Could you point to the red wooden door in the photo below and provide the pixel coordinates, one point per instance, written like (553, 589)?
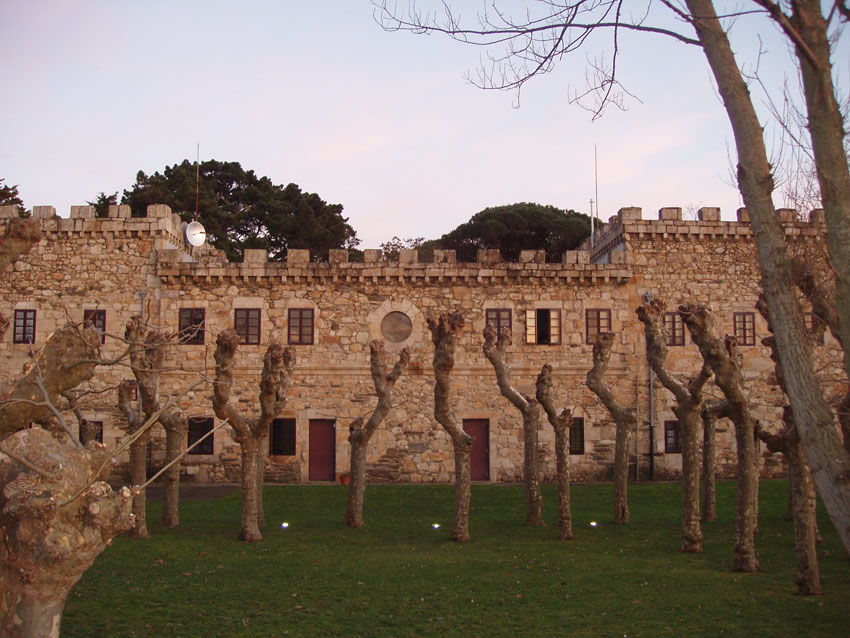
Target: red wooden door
(322, 458)
(479, 455)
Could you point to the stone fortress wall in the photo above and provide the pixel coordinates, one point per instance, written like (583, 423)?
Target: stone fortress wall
(122, 264)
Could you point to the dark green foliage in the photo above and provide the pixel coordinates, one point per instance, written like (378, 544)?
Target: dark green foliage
(240, 210)
(519, 227)
(399, 577)
(102, 204)
(9, 197)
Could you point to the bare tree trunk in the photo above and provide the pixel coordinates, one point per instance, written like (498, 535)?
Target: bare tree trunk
(624, 419)
(171, 494)
(495, 350)
(445, 331)
(802, 504)
(561, 423)
(829, 461)
(710, 414)
(360, 435)
(278, 364)
(20, 234)
(687, 409)
(46, 546)
(261, 479)
(138, 456)
(723, 360)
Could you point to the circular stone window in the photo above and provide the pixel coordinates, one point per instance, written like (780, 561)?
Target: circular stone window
(396, 327)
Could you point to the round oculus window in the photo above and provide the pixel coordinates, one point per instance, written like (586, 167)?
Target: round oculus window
(396, 327)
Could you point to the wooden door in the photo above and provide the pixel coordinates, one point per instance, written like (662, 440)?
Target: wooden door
(322, 457)
(479, 455)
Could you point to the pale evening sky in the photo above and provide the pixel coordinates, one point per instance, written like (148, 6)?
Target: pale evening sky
(317, 94)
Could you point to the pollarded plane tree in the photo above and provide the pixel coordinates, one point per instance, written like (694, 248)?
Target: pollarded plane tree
(561, 424)
(445, 331)
(56, 517)
(723, 358)
(278, 364)
(361, 433)
(147, 349)
(547, 32)
(689, 398)
(624, 420)
(495, 349)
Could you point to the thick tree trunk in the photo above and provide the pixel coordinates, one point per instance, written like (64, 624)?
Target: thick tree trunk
(278, 364)
(445, 331)
(687, 410)
(624, 419)
(829, 461)
(561, 423)
(723, 359)
(47, 543)
(138, 476)
(260, 477)
(495, 348)
(171, 493)
(357, 472)
(250, 530)
(360, 434)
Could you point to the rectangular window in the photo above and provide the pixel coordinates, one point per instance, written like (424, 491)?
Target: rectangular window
(577, 436)
(675, 329)
(597, 321)
(198, 427)
(672, 440)
(91, 431)
(301, 326)
(24, 328)
(744, 328)
(191, 325)
(246, 322)
(97, 320)
(543, 326)
(282, 438)
(500, 318)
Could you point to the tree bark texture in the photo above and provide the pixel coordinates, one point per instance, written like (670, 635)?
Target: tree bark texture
(561, 423)
(687, 409)
(829, 461)
(445, 331)
(147, 354)
(360, 434)
(624, 419)
(47, 547)
(710, 414)
(495, 347)
(278, 364)
(68, 358)
(723, 359)
(809, 31)
(138, 456)
(802, 503)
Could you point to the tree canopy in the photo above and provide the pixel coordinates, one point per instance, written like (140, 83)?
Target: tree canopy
(517, 227)
(240, 210)
(9, 197)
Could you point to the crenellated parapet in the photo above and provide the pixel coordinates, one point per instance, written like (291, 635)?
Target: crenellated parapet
(628, 224)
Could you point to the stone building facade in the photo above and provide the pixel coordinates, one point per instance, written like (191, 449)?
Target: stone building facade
(106, 270)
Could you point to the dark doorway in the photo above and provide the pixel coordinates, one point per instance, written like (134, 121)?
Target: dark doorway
(322, 459)
(479, 455)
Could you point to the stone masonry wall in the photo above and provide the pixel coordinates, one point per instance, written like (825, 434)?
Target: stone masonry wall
(85, 263)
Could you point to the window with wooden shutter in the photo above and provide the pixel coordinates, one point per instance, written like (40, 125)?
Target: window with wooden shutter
(543, 326)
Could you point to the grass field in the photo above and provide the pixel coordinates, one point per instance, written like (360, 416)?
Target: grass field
(398, 576)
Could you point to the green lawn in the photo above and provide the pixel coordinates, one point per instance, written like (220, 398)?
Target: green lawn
(400, 577)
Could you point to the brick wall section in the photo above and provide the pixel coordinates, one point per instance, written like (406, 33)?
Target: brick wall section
(92, 263)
